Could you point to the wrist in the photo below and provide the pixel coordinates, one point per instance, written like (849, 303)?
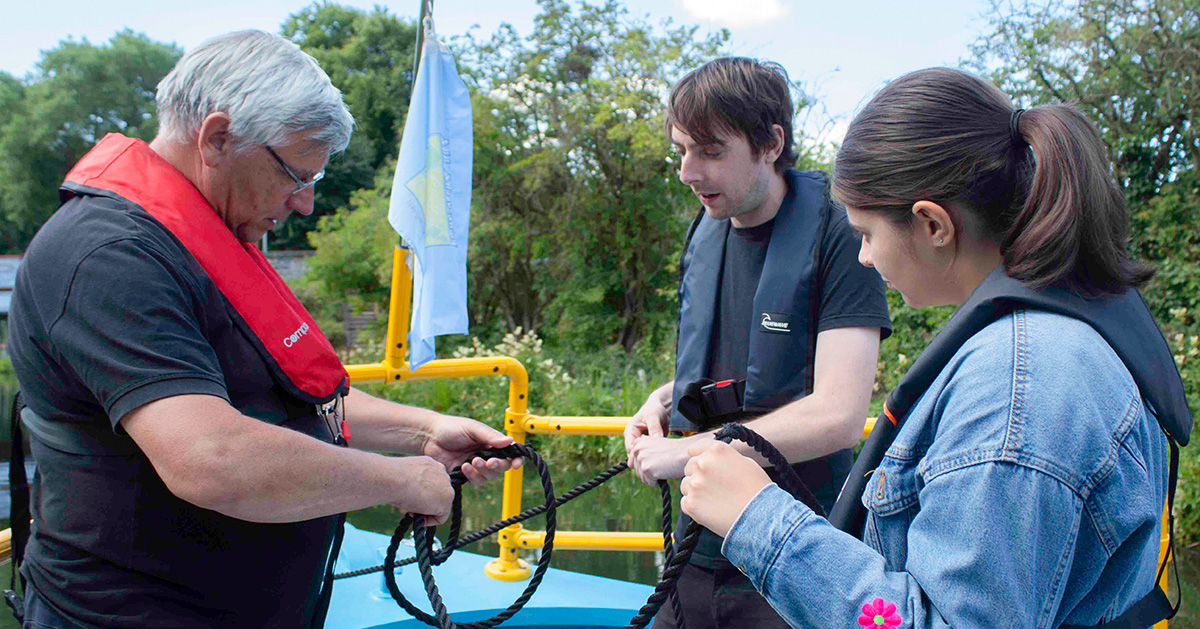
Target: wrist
(418, 427)
(427, 427)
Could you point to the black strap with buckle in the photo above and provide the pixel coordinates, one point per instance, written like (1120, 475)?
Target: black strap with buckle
(707, 403)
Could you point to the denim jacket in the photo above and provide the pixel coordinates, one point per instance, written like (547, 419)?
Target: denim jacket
(1025, 489)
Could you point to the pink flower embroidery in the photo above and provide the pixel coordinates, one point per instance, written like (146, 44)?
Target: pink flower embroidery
(879, 613)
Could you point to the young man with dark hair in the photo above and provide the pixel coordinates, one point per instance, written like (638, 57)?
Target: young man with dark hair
(772, 303)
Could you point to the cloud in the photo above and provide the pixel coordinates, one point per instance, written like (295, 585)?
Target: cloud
(736, 13)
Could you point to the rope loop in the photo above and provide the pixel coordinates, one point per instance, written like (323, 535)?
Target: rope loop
(423, 538)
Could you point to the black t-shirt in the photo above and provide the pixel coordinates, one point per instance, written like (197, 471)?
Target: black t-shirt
(111, 312)
(745, 253)
(851, 296)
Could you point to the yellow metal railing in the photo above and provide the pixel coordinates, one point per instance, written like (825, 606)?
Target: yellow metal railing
(518, 423)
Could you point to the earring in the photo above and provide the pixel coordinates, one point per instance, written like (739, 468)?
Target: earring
(941, 241)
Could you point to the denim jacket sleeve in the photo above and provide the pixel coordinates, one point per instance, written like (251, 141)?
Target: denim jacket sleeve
(1007, 519)
(817, 576)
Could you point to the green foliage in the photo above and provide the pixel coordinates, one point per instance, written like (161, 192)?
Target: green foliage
(8, 377)
(1131, 65)
(1182, 330)
(78, 94)
(354, 247)
(1164, 233)
(577, 216)
(913, 329)
(369, 57)
(8, 391)
(575, 207)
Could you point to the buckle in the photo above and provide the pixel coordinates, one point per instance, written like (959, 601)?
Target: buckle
(722, 398)
(334, 414)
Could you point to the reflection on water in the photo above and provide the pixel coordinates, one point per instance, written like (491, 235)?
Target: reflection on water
(625, 504)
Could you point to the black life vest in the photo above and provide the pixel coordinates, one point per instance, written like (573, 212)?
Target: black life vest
(779, 367)
(1126, 325)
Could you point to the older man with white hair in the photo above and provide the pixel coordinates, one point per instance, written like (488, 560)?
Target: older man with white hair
(188, 417)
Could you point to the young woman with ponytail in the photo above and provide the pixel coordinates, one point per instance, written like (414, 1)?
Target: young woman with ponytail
(1025, 483)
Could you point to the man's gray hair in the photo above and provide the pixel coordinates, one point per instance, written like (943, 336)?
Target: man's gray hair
(269, 88)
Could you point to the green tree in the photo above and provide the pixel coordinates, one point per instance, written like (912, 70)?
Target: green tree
(354, 246)
(12, 235)
(578, 213)
(578, 217)
(369, 57)
(1132, 65)
(78, 94)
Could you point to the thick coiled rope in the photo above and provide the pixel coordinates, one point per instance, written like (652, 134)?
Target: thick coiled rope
(423, 540)
(484, 533)
(677, 555)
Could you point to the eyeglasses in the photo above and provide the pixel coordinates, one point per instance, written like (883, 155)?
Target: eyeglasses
(301, 185)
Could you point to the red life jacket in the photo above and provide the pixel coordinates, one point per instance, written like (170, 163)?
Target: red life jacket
(301, 359)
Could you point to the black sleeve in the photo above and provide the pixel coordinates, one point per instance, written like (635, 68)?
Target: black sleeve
(130, 331)
(852, 295)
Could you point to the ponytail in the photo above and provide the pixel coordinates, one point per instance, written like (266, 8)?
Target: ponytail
(1073, 226)
(1035, 182)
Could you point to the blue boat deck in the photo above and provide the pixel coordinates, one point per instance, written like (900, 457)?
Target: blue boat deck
(565, 599)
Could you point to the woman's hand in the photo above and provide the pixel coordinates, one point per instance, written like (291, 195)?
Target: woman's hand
(718, 483)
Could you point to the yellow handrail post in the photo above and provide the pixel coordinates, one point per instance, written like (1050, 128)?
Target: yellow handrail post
(1164, 546)
(394, 366)
(508, 566)
(399, 304)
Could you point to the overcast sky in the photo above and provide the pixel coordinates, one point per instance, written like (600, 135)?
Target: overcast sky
(844, 51)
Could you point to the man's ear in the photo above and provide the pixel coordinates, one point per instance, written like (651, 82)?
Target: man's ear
(933, 225)
(215, 143)
(773, 151)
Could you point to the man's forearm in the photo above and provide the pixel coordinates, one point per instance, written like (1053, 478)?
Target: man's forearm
(808, 428)
(380, 425)
(832, 417)
(290, 477)
(212, 456)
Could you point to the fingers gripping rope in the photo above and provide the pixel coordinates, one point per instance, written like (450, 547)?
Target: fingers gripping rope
(790, 481)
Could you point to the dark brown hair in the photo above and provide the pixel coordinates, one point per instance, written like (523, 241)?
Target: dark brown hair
(1040, 189)
(735, 95)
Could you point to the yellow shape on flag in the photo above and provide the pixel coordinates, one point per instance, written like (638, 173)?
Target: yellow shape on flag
(430, 189)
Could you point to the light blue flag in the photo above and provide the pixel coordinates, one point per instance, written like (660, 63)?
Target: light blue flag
(431, 199)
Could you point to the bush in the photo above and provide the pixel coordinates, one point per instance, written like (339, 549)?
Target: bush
(8, 377)
(913, 328)
(1183, 334)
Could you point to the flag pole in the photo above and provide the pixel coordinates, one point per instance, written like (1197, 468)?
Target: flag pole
(400, 300)
(426, 12)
